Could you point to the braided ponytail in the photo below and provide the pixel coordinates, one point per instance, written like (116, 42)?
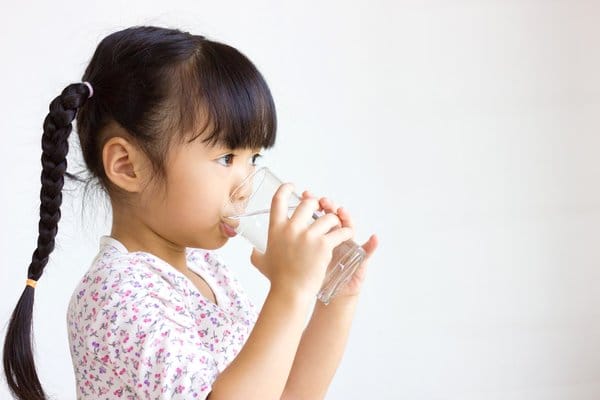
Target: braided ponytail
(19, 366)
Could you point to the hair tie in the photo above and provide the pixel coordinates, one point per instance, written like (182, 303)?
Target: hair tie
(89, 85)
(31, 282)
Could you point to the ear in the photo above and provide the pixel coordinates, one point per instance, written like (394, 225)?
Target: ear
(123, 163)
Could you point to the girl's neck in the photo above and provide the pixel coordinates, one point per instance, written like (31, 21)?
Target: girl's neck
(137, 236)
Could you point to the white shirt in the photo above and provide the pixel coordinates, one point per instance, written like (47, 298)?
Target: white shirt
(139, 328)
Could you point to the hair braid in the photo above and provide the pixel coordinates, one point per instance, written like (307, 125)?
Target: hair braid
(19, 366)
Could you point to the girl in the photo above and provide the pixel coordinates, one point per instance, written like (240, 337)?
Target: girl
(159, 314)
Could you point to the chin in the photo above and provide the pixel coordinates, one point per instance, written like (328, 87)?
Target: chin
(218, 245)
(212, 244)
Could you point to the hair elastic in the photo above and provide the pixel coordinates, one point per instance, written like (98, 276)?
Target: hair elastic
(31, 282)
(89, 85)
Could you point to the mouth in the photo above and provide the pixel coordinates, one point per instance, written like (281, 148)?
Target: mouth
(228, 230)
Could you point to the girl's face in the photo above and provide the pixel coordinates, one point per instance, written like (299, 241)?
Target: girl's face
(200, 180)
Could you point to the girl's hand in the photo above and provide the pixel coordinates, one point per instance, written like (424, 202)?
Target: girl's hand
(353, 286)
(298, 250)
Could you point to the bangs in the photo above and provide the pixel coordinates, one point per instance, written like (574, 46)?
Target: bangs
(225, 99)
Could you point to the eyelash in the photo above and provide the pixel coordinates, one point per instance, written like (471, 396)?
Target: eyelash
(254, 158)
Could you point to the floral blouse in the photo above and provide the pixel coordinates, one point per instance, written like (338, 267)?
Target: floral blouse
(140, 329)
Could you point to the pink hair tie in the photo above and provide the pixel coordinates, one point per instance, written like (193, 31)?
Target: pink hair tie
(89, 85)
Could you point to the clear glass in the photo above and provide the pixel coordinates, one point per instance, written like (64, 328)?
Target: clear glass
(250, 205)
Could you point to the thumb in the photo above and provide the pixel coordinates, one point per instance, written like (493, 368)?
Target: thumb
(256, 258)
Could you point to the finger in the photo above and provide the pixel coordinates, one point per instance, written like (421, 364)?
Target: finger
(339, 236)
(328, 205)
(345, 217)
(279, 204)
(370, 245)
(304, 212)
(307, 194)
(325, 224)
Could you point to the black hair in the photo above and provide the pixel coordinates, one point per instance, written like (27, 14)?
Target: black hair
(158, 87)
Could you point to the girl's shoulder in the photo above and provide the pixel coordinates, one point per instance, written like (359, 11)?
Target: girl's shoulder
(115, 270)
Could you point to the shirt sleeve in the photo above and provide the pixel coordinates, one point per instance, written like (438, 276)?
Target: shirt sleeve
(155, 351)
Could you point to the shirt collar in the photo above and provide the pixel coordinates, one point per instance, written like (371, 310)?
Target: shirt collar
(111, 241)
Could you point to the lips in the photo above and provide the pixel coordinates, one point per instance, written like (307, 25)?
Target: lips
(228, 230)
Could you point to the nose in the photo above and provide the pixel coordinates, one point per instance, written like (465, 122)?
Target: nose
(243, 189)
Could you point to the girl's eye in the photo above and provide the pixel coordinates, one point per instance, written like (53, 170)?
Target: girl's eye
(228, 158)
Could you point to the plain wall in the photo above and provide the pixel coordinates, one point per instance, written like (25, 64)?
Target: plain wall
(464, 133)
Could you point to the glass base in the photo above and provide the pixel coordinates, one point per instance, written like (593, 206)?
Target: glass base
(347, 257)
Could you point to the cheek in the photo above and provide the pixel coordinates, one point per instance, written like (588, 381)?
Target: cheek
(195, 202)
(189, 205)
(195, 221)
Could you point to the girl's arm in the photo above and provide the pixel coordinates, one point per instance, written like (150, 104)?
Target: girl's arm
(320, 350)
(324, 340)
(262, 367)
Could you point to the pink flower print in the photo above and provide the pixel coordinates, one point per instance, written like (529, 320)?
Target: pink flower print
(179, 389)
(118, 392)
(104, 359)
(95, 296)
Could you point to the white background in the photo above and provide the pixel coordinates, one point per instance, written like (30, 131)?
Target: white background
(464, 133)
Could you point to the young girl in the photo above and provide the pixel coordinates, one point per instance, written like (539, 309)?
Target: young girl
(159, 315)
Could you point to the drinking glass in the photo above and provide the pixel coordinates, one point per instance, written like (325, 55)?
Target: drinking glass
(250, 205)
